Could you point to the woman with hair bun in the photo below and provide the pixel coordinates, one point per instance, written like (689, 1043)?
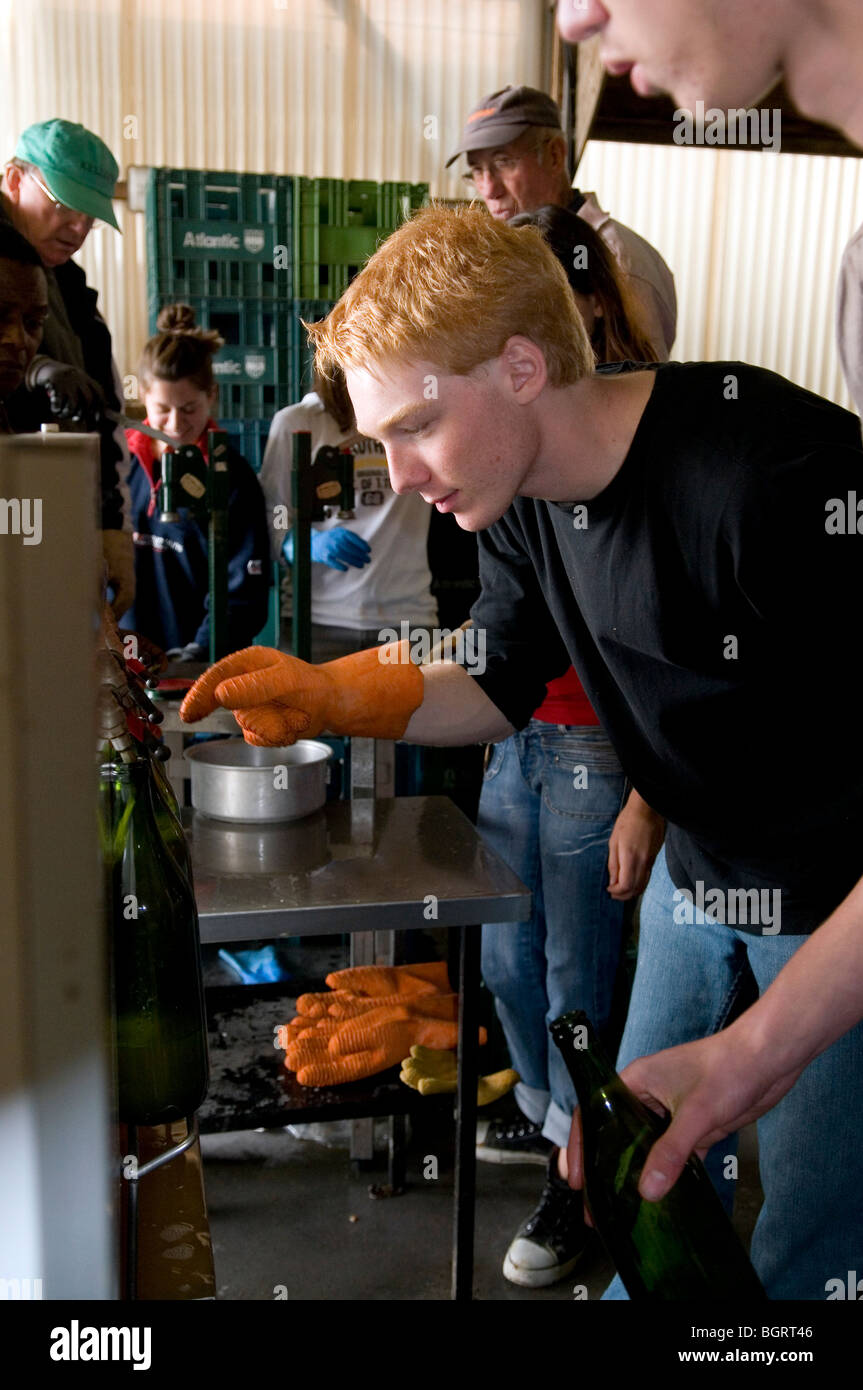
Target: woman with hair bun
(171, 564)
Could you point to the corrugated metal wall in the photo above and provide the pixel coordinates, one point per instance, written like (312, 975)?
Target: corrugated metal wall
(379, 89)
(755, 241)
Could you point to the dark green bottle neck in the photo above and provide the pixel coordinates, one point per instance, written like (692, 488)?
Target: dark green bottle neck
(134, 775)
(597, 1084)
(589, 1065)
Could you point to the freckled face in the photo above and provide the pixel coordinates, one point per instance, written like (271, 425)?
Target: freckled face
(468, 451)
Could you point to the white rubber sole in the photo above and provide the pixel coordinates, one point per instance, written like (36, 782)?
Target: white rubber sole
(537, 1278)
(489, 1155)
(504, 1156)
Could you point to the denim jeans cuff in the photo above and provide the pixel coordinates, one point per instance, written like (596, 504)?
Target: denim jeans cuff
(532, 1103)
(557, 1125)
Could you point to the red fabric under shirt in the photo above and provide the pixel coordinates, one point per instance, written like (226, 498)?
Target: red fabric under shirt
(566, 702)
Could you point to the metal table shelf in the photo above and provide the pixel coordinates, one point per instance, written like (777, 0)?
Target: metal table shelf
(359, 866)
(369, 865)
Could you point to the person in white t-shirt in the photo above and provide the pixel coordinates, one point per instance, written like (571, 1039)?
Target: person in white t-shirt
(370, 572)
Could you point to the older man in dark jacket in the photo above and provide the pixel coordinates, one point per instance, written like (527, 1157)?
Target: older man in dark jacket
(56, 187)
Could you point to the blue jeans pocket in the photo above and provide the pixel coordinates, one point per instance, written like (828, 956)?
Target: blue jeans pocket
(495, 761)
(583, 779)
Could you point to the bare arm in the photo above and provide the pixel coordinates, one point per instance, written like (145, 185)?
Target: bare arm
(715, 1085)
(455, 710)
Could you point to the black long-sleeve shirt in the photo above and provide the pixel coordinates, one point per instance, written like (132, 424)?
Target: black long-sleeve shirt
(76, 333)
(711, 607)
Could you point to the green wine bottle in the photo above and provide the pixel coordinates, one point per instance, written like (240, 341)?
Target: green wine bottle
(161, 1032)
(168, 817)
(681, 1247)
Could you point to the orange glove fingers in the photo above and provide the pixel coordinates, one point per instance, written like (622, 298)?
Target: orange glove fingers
(306, 1050)
(337, 1071)
(349, 1005)
(375, 980)
(283, 678)
(202, 698)
(272, 726)
(317, 1005)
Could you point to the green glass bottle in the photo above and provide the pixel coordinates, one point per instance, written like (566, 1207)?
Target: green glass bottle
(168, 816)
(681, 1247)
(161, 1031)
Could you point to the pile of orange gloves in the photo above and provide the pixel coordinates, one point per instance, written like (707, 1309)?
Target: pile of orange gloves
(368, 1021)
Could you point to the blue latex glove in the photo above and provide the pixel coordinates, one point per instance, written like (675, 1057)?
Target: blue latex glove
(255, 967)
(337, 548)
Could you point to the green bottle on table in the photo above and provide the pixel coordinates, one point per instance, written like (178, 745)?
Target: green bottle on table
(681, 1247)
(161, 1032)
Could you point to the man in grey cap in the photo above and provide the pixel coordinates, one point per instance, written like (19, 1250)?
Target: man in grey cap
(516, 154)
(56, 187)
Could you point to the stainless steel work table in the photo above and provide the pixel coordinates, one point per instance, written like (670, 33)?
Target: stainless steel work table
(399, 863)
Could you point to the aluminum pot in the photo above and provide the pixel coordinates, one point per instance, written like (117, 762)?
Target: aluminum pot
(233, 780)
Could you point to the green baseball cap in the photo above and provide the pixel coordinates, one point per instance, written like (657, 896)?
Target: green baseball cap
(77, 166)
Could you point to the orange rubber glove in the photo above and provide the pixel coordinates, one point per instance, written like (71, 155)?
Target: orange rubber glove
(361, 987)
(427, 977)
(276, 698)
(361, 1047)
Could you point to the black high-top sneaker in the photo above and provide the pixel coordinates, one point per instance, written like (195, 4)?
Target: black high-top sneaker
(550, 1243)
(511, 1141)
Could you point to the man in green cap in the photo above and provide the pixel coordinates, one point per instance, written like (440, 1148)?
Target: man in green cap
(56, 187)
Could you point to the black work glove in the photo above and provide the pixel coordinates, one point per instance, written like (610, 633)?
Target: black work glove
(72, 394)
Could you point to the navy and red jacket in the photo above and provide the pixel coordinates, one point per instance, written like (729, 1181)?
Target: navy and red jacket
(171, 573)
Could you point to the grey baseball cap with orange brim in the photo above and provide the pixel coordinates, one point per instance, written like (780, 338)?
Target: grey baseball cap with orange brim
(504, 116)
(77, 166)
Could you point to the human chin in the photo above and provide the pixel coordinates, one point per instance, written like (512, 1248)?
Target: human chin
(479, 516)
(51, 254)
(10, 380)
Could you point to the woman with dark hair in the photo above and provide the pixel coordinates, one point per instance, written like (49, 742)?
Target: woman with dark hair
(554, 806)
(171, 605)
(609, 315)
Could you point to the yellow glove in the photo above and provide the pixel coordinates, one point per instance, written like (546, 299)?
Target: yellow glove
(433, 1072)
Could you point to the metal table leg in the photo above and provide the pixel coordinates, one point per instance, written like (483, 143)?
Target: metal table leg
(465, 1135)
(397, 1154)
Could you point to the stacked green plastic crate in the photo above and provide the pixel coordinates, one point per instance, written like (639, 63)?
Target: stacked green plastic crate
(253, 254)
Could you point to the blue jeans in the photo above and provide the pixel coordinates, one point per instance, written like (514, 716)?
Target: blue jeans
(549, 800)
(810, 1228)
